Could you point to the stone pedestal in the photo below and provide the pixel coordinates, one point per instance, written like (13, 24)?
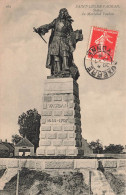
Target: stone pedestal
(60, 132)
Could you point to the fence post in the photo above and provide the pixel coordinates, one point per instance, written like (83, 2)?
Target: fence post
(17, 188)
(89, 182)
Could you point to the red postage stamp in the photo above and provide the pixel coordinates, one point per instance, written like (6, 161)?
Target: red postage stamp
(102, 44)
(99, 59)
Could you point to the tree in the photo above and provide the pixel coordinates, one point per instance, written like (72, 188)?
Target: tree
(29, 123)
(16, 138)
(96, 146)
(114, 149)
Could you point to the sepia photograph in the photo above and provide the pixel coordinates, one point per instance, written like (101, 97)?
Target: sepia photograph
(63, 97)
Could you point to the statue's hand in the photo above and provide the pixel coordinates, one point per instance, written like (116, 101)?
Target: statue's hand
(39, 31)
(35, 30)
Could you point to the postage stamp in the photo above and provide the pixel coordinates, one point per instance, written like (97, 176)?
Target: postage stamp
(99, 59)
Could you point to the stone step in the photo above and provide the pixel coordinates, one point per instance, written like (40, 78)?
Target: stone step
(8, 174)
(99, 184)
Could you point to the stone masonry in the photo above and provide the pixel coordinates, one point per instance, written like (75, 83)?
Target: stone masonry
(60, 132)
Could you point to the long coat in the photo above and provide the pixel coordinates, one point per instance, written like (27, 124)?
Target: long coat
(59, 39)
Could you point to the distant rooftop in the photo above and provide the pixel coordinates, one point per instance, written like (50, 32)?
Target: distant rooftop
(24, 142)
(9, 145)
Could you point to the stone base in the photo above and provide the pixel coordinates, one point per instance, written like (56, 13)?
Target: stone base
(60, 132)
(61, 151)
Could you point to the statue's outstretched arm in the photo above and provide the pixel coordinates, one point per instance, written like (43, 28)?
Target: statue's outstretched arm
(45, 28)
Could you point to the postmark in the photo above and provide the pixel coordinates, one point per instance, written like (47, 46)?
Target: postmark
(99, 60)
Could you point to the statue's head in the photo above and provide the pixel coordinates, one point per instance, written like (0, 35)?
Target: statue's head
(63, 13)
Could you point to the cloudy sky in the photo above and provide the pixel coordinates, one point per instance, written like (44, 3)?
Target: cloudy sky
(22, 66)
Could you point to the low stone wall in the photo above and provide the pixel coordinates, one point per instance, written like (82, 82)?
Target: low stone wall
(41, 164)
(113, 163)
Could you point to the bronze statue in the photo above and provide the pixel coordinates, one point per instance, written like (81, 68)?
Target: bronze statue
(62, 43)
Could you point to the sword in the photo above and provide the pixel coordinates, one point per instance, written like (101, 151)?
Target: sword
(35, 30)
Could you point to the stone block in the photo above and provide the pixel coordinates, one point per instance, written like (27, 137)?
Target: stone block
(31, 164)
(71, 135)
(68, 143)
(57, 128)
(71, 105)
(40, 151)
(46, 113)
(68, 97)
(72, 152)
(45, 143)
(38, 165)
(43, 121)
(69, 128)
(61, 152)
(59, 164)
(86, 163)
(62, 135)
(42, 135)
(13, 163)
(71, 120)
(57, 143)
(59, 86)
(110, 163)
(65, 98)
(51, 152)
(57, 113)
(47, 98)
(44, 105)
(22, 163)
(68, 112)
(51, 135)
(46, 128)
(122, 163)
(57, 98)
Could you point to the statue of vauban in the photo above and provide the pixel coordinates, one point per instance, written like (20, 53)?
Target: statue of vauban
(62, 44)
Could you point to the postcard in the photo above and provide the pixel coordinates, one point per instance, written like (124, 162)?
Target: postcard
(63, 63)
